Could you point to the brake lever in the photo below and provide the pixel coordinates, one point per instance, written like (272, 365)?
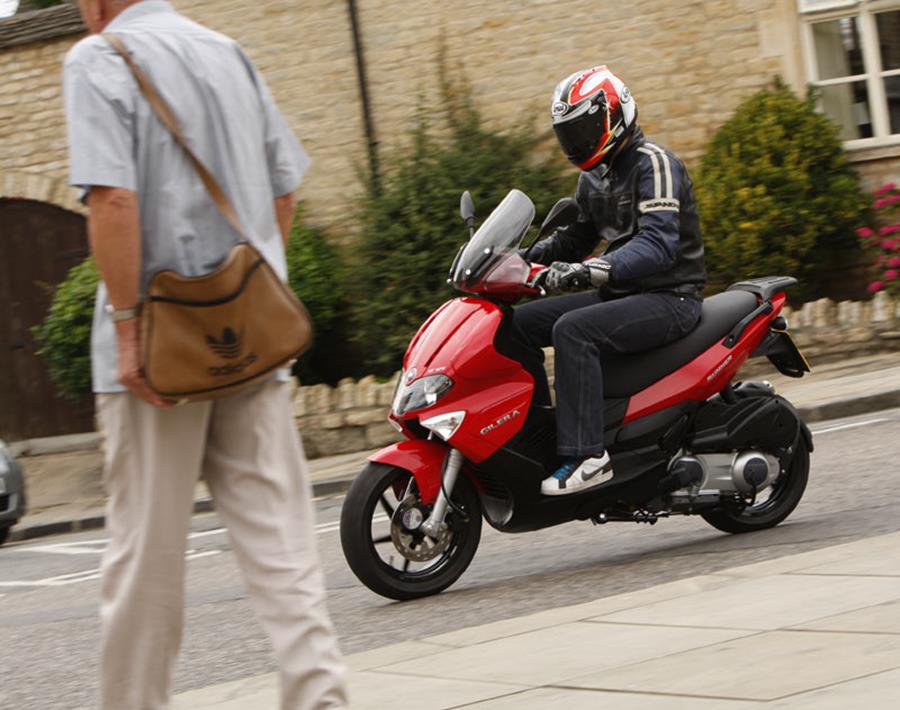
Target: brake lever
(538, 282)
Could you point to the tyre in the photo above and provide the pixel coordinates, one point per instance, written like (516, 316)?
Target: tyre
(779, 502)
(395, 561)
(4, 534)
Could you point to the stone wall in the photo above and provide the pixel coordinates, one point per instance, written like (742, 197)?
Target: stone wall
(688, 63)
(353, 416)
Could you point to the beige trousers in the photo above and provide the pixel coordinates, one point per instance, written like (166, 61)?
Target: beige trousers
(247, 449)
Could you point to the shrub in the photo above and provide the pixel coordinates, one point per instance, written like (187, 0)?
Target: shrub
(883, 242)
(64, 338)
(776, 194)
(317, 275)
(39, 4)
(412, 228)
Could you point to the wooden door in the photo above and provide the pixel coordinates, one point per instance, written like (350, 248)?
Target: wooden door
(39, 243)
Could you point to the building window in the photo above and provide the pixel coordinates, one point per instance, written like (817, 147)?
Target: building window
(853, 57)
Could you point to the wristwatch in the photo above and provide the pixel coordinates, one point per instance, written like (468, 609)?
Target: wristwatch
(120, 314)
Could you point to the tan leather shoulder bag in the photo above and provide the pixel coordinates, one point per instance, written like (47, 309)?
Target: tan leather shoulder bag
(209, 336)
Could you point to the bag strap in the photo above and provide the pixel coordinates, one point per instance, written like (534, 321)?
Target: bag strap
(167, 118)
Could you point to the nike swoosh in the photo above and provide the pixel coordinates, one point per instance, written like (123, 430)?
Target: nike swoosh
(585, 476)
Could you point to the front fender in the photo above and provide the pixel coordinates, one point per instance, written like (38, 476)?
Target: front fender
(423, 459)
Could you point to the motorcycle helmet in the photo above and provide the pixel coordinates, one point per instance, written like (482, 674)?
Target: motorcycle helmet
(593, 115)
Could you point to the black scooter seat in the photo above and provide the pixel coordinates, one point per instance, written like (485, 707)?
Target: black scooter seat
(626, 375)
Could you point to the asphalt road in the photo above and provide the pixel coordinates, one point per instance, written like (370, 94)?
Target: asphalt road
(48, 588)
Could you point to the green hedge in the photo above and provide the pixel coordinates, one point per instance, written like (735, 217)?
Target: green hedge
(317, 274)
(64, 338)
(314, 273)
(777, 195)
(412, 228)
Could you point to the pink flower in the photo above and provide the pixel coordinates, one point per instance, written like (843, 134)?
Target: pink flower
(891, 274)
(880, 203)
(875, 286)
(893, 262)
(888, 244)
(892, 200)
(865, 232)
(885, 189)
(889, 229)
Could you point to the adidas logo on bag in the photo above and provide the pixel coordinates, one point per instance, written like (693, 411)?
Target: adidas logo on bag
(229, 347)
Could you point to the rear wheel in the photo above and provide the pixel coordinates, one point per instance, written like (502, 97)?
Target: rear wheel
(382, 546)
(772, 505)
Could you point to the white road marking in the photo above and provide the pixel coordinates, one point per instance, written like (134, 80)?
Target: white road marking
(95, 547)
(853, 425)
(64, 580)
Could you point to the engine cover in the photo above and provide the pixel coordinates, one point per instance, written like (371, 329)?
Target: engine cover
(743, 472)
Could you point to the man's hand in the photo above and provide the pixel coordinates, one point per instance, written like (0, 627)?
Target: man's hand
(128, 335)
(562, 276)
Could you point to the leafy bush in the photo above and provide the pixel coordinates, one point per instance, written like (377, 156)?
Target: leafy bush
(39, 4)
(64, 338)
(776, 194)
(883, 242)
(316, 275)
(412, 228)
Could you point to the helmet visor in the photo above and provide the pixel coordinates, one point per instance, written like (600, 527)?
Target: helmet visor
(580, 137)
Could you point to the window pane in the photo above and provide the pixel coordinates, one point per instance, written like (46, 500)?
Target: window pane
(889, 39)
(848, 106)
(892, 91)
(838, 48)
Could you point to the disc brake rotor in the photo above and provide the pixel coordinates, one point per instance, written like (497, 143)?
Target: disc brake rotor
(410, 543)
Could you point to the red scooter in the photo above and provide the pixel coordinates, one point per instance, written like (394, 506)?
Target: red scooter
(684, 438)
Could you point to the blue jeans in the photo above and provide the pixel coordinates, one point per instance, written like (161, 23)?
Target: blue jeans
(583, 328)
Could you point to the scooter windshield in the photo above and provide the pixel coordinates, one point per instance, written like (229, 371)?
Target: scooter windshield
(490, 261)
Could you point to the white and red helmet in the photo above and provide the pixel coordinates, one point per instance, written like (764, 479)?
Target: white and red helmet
(593, 116)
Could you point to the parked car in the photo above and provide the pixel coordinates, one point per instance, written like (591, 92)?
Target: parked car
(12, 492)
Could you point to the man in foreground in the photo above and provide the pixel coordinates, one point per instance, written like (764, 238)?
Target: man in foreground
(150, 212)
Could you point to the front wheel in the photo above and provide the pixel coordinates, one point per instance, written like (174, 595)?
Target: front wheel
(773, 505)
(383, 548)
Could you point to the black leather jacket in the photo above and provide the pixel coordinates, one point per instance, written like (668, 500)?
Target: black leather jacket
(644, 209)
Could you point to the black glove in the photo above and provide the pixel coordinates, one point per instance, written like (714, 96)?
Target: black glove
(562, 276)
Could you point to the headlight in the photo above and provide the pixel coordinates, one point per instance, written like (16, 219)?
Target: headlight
(420, 393)
(444, 425)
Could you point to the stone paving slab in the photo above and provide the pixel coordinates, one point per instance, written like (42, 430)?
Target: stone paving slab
(880, 691)
(555, 654)
(765, 603)
(844, 651)
(765, 666)
(584, 699)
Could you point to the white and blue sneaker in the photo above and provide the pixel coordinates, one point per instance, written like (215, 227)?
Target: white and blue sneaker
(578, 475)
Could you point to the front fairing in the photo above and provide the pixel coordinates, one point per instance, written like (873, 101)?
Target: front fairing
(458, 342)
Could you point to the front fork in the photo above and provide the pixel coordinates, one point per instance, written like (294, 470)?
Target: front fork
(432, 527)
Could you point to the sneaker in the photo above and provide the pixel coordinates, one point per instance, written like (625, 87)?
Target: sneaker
(578, 475)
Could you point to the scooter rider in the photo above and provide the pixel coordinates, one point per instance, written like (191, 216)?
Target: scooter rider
(646, 288)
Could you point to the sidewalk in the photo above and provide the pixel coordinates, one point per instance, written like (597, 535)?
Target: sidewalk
(69, 498)
(814, 631)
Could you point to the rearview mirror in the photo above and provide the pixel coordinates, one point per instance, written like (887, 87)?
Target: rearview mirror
(563, 213)
(467, 211)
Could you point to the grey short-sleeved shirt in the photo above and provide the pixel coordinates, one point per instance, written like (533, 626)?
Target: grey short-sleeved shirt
(228, 118)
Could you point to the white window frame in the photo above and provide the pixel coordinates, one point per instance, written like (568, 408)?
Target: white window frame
(814, 11)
